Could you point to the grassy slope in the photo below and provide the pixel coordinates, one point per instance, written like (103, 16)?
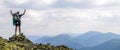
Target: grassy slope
(20, 42)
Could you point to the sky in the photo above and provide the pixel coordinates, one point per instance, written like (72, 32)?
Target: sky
(54, 17)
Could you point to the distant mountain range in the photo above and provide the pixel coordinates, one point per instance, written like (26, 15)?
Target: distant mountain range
(109, 45)
(33, 38)
(91, 40)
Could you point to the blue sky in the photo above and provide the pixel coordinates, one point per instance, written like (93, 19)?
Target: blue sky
(54, 17)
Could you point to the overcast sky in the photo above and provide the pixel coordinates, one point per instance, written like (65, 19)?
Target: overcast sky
(53, 17)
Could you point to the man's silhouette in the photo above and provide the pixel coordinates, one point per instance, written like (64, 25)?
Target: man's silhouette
(17, 20)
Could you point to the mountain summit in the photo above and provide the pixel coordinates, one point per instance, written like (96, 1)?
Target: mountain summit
(20, 42)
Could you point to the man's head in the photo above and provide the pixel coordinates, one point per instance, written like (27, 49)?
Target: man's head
(17, 12)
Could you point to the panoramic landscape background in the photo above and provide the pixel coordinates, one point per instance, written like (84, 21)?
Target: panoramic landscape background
(79, 24)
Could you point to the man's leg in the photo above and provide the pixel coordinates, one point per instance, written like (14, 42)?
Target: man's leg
(15, 30)
(19, 29)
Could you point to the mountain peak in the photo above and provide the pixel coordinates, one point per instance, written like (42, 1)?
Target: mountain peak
(20, 42)
(19, 38)
(63, 35)
(94, 32)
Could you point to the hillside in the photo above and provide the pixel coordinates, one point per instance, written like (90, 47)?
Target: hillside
(109, 45)
(20, 42)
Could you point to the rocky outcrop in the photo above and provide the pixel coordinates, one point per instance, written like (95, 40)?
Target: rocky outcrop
(20, 42)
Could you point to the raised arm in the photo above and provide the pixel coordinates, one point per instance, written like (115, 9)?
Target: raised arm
(24, 12)
(11, 12)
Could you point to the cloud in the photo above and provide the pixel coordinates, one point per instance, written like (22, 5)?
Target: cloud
(2, 5)
(87, 3)
(92, 2)
(17, 2)
(56, 21)
(45, 2)
(76, 1)
(36, 4)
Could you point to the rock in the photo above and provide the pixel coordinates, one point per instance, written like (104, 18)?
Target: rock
(19, 38)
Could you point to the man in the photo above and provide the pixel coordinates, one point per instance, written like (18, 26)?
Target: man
(17, 20)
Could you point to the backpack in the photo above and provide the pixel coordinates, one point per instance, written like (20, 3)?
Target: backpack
(15, 18)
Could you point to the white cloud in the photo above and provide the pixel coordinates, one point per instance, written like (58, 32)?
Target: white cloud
(99, 2)
(44, 2)
(76, 1)
(35, 15)
(18, 2)
(56, 21)
(96, 2)
(2, 4)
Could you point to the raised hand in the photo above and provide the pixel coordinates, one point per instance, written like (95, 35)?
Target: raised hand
(24, 12)
(11, 12)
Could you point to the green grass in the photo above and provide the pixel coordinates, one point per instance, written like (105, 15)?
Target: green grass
(20, 42)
